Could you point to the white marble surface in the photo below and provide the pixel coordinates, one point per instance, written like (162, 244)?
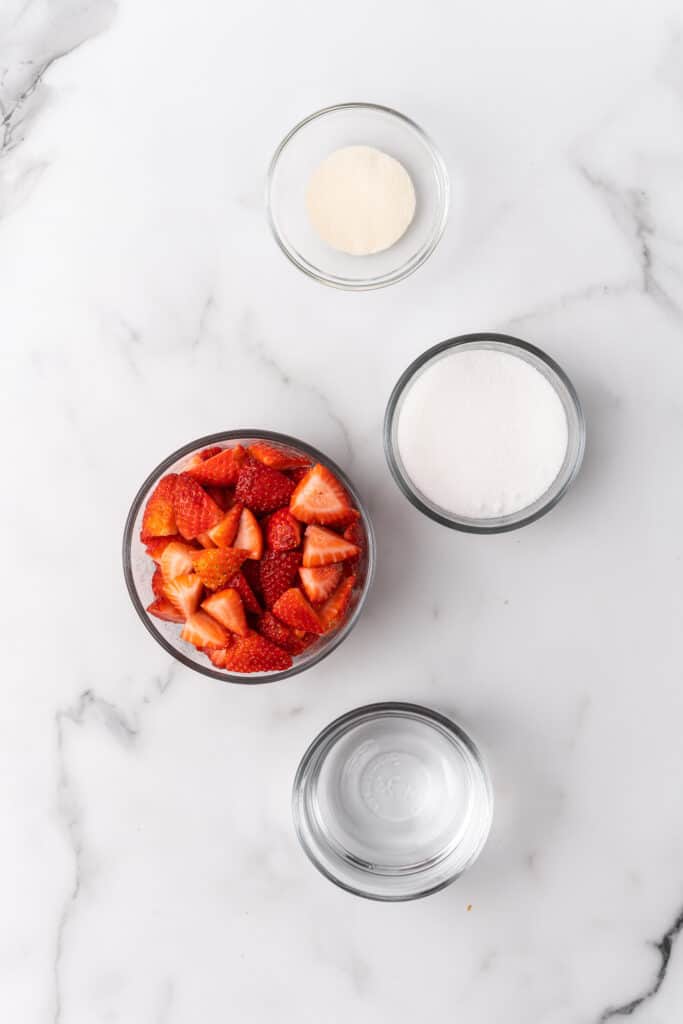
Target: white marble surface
(149, 873)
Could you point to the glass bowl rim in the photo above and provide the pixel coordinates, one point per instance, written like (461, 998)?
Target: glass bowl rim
(337, 728)
(204, 442)
(479, 526)
(415, 261)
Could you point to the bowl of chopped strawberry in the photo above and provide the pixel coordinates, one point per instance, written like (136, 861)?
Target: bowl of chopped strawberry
(248, 555)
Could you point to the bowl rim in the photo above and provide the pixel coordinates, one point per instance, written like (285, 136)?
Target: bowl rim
(336, 638)
(455, 522)
(416, 261)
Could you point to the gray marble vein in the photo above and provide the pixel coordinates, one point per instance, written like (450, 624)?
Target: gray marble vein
(664, 947)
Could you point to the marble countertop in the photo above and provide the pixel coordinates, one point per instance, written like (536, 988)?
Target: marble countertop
(149, 872)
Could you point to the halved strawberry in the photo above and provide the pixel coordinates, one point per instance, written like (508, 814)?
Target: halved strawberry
(320, 498)
(203, 455)
(249, 536)
(283, 531)
(323, 546)
(216, 565)
(176, 560)
(293, 608)
(158, 583)
(184, 592)
(223, 496)
(195, 511)
(279, 634)
(262, 489)
(334, 609)
(239, 583)
(224, 533)
(278, 457)
(159, 519)
(163, 609)
(204, 632)
(319, 583)
(277, 572)
(254, 653)
(218, 657)
(157, 545)
(220, 470)
(226, 607)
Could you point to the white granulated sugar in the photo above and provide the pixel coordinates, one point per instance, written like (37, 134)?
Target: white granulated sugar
(481, 433)
(360, 200)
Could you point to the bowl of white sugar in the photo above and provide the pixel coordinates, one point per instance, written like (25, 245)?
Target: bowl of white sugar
(357, 196)
(484, 433)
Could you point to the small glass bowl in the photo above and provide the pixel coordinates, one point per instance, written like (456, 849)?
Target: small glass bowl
(304, 148)
(392, 802)
(138, 567)
(576, 441)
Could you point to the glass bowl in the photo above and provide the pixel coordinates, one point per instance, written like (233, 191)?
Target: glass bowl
(303, 149)
(138, 567)
(392, 801)
(575, 424)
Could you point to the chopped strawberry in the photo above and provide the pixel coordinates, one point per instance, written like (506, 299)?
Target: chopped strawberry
(249, 536)
(335, 607)
(239, 583)
(226, 607)
(254, 653)
(215, 566)
(319, 583)
(223, 496)
(355, 534)
(297, 475)
(205, 541)
(218, 657)
(283, 532)
(157, 545)
(279, 634)
(304, 639)
(158, 583)
(204, 632)
(278, 571)
(323, 546)
(220, 470)
(159, 519)
(278, 457)
(262, 489)
(184, 592)
(195, 511)
(293, 608)
(163, 609)
(224, 533)
(320, 498)
(252, 574)
(176, 560)
(203, 455)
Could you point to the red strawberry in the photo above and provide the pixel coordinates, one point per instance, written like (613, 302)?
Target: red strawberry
(278, 457)
(224, 533)
(334, 609)
(157, 545)
(320, 498)
(323, 546)
(261, 488)
(215, 566)
(355, 534)
(279, 634)
(220, 470)
(159, 519)
(293, 608)
(218, 657)
(158, 583)
(239, 583)
(204, 632)
(222, 496)
(163, 609)
(277, 571)
(319, 583)
(254, 653)
(249, 536)
(226, 607)
(283, 532)
(304, 639)
(203, 455)
(205, 541)
(176, 560)
(252, 574)
(195, 511)
(184, 592)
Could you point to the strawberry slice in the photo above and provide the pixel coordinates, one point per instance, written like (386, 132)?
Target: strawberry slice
(163, 609)
(203, 455)
(195, 511)
(159, 518)
(224, 533)
(216, 565)
(261, 488)
(334, 609)
(226, 607)
(176, 560)
(282, 635)
(218, 657)
(283, 531)
(278, 457)
(277, 572)
(239, 583)
(297, 475)
(205, 541)
(254, 653)
(320, 583)
(320, 498)
(220, 470)
(304, 639)
(157, 545)
(249, 536)
(355, 534)
(223, 496)
(293, 608)
(158, 583)
(204, 632)
(323, 546)
(184, 592)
